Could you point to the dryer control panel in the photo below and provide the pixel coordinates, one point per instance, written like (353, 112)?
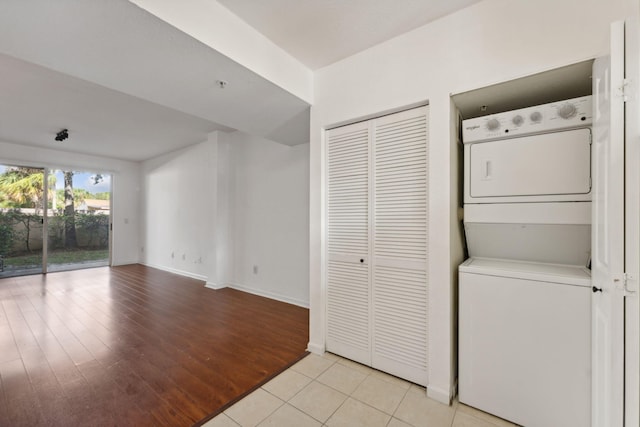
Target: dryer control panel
(571, 113)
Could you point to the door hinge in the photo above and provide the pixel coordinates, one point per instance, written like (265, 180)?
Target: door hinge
(630, 284)
(624, 284)
(625, 89)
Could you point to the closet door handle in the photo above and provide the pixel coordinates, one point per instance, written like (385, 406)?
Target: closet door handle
(361, 260)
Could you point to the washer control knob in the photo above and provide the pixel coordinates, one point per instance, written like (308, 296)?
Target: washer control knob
(493, 124)
(517, 120)
(566, 111)
(536, 117)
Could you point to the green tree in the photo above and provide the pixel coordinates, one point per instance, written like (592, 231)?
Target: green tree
(79, 196)
(95, 228)
(105, 195)
(70, 239)
(22, 188)
(6, 234)
(27, 220)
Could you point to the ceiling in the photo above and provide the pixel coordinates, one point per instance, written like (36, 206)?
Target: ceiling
(321, 32)
(128, 85)
(36, 102)
(125, 83)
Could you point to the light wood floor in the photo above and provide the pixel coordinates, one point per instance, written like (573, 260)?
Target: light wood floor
(135, 346)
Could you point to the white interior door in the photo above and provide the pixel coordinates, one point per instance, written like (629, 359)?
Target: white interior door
(608, 236)
(399, 275)
(348, 288)
(632, 222)
(377, 243)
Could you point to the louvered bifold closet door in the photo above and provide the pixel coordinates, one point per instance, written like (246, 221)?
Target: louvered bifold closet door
(399, 282)
(348, 284)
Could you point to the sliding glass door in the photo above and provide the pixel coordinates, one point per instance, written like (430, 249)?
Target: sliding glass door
(79, 220)
(22, 206)
(66, 230)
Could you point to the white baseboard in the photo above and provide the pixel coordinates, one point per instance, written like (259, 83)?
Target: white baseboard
(441, 395)
(176, 271)
(315, 348)
(120, 264)
(267, 294)
(117, 262)
(214, 286)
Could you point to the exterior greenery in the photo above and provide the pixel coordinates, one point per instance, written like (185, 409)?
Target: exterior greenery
(18, 228)
(22, 204)
(6, 239)
(60, 256)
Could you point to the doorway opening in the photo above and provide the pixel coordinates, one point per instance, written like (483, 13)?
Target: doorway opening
(67, 229)
(78, 220)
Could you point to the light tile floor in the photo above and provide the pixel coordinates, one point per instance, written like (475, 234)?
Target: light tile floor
(331, 391)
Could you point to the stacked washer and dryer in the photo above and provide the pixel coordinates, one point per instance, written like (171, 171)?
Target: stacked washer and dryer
(525, 291)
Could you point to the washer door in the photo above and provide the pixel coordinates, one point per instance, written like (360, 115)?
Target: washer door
(525, 349)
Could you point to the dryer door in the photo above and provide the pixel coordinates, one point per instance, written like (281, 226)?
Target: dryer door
(548, 167)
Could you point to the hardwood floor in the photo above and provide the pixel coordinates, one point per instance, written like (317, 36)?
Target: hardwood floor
(135, 346)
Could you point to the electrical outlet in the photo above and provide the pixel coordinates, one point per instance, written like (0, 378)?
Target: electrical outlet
(173, 255)
(255, 269)
(184, 257)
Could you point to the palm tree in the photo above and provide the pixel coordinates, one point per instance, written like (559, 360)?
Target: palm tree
(22, 188)
(70, 239)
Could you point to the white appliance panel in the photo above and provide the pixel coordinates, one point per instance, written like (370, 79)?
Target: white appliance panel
(529, 213)
(541, 272)
(555, 116)
(554, 164)
(546, 243)
(524, 350)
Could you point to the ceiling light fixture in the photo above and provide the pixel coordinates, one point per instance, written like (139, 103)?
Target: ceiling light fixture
(62, 135)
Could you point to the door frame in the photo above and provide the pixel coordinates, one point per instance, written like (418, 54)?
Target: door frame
(47, 170)
(632, 222)
(45, 220)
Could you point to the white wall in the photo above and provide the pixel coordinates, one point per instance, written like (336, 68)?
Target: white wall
(180, 211)
(270, 207)
(125, 187)
(489, 42)
(225, 221)
(228, 204)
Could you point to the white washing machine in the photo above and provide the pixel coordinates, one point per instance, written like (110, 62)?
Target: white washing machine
(525, 341)
(525, 292)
